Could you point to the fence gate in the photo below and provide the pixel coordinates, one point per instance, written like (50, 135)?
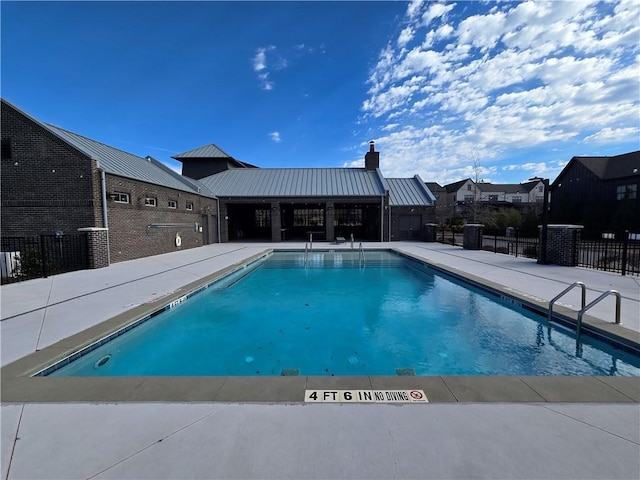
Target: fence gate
(25, 258)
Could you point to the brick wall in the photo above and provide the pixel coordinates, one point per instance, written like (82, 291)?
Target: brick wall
(98, 246)
(130, 233)
(398, 227)
(472, 236)
(562, 241)
(46, 184)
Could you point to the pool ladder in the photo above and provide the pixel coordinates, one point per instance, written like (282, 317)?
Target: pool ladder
(584, 308)
(361, 260)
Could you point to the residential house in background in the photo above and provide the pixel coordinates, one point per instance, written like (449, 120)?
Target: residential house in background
(601, 193)
(440, 194)
(465, 198)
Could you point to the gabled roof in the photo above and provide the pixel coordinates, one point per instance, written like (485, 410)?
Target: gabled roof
(296, 182)
(455, 186)
(435, 187)
(610, 168)
(211, 151)
(606, 168)
(506, 187)
(124, 164)
(118, 162)
(409, 192)
(206, 151)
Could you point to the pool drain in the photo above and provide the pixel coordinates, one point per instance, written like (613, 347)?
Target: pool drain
(102, 361)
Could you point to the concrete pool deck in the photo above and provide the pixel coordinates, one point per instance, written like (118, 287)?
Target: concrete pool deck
(578, 427)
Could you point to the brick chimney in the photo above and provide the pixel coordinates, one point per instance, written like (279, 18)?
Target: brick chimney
(372, 158)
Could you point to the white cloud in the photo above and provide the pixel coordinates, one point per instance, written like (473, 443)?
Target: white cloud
(516, 76)
(609, 134)
(436, 10)
(405, 36)
(275, 136)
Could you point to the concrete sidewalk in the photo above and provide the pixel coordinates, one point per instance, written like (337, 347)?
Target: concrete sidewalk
(236, 440)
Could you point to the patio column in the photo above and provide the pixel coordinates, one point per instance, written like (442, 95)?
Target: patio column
(277, 234)
(330, 220)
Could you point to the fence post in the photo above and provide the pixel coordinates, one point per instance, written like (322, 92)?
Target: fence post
(43, 257)
(625, 247)
(495, 243)
(517, 235)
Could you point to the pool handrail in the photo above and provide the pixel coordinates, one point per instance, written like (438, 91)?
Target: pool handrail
(597, 300)
(565, 291)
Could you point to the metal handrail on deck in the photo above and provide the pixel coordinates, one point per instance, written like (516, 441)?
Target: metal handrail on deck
(352, 241)
(311, 241)
(306, 254)
(565, 291)
(597, 300)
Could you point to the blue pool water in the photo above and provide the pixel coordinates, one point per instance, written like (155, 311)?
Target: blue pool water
(333, 317)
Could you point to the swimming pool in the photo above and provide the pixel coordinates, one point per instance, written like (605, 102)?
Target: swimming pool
(333, 315)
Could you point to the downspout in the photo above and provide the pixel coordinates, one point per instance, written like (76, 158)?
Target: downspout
(389, 216)
(218, 204)
(105, 217)
(382, 218)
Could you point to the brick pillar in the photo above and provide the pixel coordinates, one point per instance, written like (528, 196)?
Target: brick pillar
(472, 239)
(98, 243)
(330, 220)
(276, 223)
(430, 232)
(562, 244)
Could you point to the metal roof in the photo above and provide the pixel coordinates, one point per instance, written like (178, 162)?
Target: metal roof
(124, 164)
(206, 151)
(409, 192)
(296, 182)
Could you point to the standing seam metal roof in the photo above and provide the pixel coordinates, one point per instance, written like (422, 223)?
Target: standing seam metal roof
(409, 192)
(295, 182)
(121, 163)
(206, 151)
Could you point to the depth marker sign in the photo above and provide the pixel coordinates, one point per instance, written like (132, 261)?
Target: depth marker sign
(365, 396)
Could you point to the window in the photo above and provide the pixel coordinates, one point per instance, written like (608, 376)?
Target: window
(468, 198)
(539, 198)
(263, 218)
(120, 197)
(150, 202)
(626, 192)
(515, 199)
(469, 187)
(189, 206)
(172, 204)
(308, 217)
(493, 198)
(347, 217)
(6, 149)
(541, 188)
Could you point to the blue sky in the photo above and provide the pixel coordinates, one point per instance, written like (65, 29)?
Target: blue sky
(508, 90)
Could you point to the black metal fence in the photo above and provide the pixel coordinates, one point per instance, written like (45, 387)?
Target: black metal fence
(514, 244)
(609, 252)
(25, 258)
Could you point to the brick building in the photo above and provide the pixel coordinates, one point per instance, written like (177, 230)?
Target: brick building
(54, 180)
